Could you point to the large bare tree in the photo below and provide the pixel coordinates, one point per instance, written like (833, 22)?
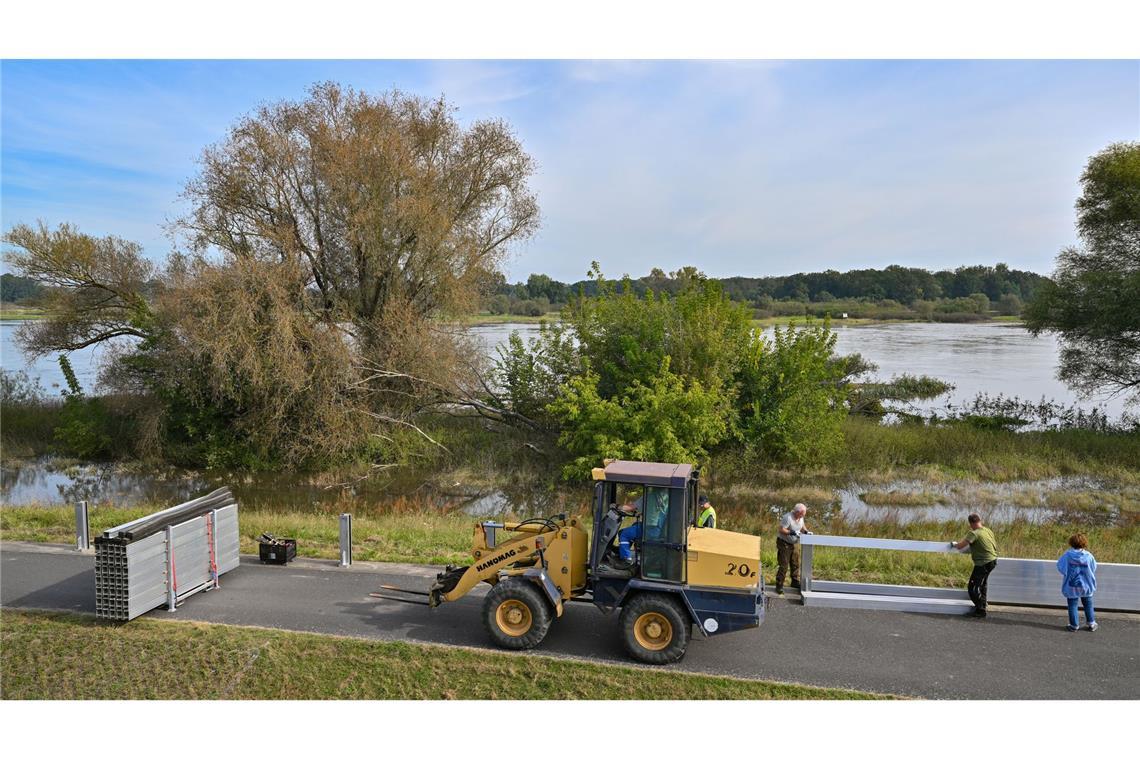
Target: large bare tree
(395, 210)
(374, 216)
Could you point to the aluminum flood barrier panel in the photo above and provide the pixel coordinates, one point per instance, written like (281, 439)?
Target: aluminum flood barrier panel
(165, 557)
(1028, 582)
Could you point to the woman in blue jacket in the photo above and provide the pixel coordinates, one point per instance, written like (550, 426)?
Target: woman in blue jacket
(1078, 580)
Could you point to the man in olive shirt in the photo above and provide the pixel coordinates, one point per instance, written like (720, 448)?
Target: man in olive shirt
(983, 548)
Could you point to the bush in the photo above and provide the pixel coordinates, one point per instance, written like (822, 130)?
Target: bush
(1009, 305)
(532, 374)
(791, 403)
(670, 378)
(499, 304)
(85, 423)
(666, 419)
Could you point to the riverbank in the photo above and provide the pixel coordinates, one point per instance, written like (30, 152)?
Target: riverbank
(485, 319)
(11, 311)
(67, 656)
(872, 453)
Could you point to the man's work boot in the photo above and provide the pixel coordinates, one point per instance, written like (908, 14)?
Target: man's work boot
(779, 590)
(795, 583)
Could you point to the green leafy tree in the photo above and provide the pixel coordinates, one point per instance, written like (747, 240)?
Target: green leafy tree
(530, 375)
(791, 399)
(664, 419)
(1093, 301)
(669, 378)
(625, 338)
(1010, 305)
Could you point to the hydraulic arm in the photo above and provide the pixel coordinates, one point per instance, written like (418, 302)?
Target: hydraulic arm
(554, 545)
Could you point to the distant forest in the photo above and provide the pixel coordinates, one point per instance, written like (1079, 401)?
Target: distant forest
(20, 290)
(897, 291)
(963, 294)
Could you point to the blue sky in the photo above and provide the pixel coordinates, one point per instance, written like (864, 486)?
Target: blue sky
(748, 168)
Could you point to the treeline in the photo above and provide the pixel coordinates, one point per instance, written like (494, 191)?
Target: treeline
(21, 290)
(901, 291)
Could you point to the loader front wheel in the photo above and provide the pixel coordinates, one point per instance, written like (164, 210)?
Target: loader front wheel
(516, 615)
(655, 628)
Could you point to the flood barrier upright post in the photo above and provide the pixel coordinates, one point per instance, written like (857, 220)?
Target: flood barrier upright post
(171, 572)
(82, 527)
(345, 540)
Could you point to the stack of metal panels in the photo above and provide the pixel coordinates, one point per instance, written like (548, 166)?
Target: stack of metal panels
(166, 556)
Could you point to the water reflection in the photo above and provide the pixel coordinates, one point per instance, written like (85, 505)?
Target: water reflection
(52, 482)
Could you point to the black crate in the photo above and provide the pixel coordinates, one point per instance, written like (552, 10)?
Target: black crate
(278, 554)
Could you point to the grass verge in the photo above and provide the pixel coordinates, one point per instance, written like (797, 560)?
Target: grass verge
(436, 539)
(67, 656)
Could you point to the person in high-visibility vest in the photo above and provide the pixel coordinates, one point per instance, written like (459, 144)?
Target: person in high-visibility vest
(707, 515)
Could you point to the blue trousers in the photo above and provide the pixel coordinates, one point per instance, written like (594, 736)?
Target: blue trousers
(625, 537)
(1090, 613)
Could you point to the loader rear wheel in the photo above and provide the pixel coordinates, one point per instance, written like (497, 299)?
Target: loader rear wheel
(655, 628)
(516, 615)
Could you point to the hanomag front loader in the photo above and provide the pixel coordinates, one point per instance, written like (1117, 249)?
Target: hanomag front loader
(682, 576)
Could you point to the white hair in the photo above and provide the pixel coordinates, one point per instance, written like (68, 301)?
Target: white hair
(799, 509)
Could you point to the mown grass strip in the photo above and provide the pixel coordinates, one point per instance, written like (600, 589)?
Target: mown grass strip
(436, 539)
(66, 656)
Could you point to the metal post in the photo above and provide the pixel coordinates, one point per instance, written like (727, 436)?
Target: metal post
(171, 592)
(806, 552)
(213, 518)
(345, 540)
(82, 527)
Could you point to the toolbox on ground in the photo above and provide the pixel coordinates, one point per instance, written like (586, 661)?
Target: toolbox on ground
(276, 551)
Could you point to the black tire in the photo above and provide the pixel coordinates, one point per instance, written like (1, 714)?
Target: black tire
(510, 600)
(655, 628)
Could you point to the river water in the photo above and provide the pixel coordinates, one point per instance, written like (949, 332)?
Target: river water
(993, 358)
(990, 358)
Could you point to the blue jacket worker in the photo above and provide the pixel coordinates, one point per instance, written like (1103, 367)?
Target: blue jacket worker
(626, 536)
(655, 505)
(1078, 580)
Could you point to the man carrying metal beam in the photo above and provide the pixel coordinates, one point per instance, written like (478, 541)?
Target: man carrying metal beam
(983, 548)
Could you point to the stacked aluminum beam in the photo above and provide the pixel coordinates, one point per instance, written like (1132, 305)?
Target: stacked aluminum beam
(165, 557)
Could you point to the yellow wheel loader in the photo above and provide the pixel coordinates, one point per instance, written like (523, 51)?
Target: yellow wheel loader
(643, 555)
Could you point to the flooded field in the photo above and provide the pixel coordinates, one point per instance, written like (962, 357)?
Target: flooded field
(52, 482)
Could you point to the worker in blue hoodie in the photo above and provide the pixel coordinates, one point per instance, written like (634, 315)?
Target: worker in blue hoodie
(1078, 573)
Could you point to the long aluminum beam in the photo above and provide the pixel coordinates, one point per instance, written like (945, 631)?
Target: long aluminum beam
(859, 542)
(1033, 582)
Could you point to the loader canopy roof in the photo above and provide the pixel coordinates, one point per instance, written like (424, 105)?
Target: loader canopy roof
(648, 473)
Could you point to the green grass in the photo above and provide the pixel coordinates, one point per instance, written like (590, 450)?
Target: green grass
(67, 656)
(800, 320)
(437, 539)
(486, 318)
(28, 428)
(11, 311)
(415, 537)
(960, 451)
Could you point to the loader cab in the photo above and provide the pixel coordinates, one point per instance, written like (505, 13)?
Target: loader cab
(659, 501)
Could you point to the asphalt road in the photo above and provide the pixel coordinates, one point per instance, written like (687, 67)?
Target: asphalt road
(1012, 654)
